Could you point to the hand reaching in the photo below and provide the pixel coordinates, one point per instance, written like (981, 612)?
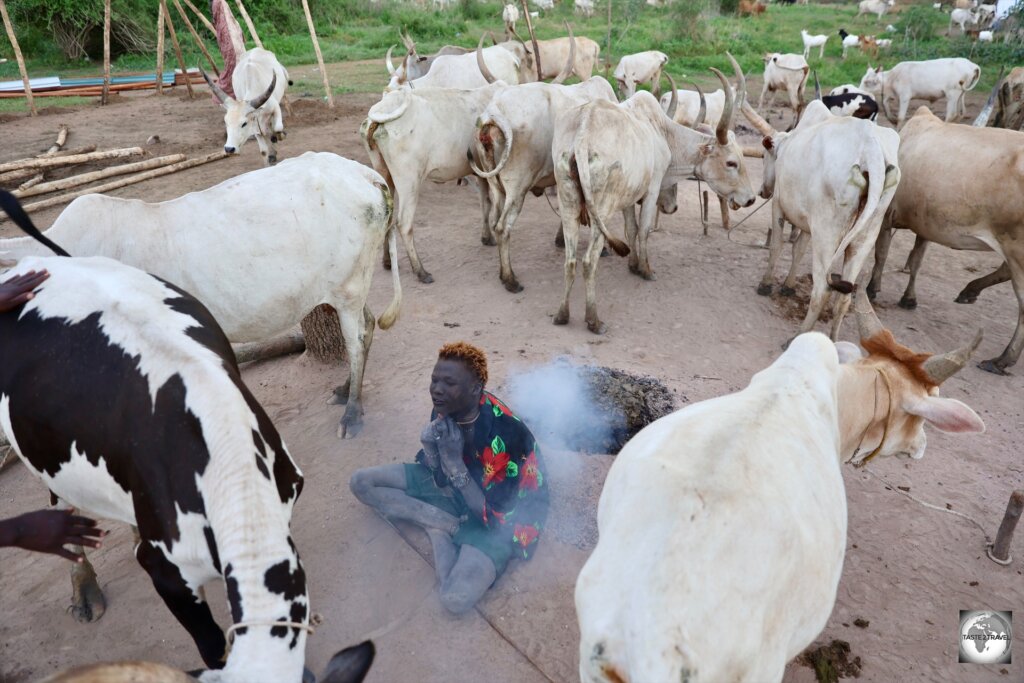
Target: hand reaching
(17, 290)
(48, 531)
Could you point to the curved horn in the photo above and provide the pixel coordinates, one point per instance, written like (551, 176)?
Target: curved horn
(817, 86)
(410, 44)
(570, 63)
(494, 41)
(488, 76)
(939, 368)
(868, 324)
(220, 94)
(673, 103)
(703, 111)
(763, 127)
(517, 37)
(392, 115)
(741, 81)
(986, 111)
(388, 63)
(262, 99)
(722, 130)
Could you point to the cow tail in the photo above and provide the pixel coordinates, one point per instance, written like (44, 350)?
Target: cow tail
(487, 141)
(583, 184)
(12, 207)
(977, 77)
(390, 315)
(866, 207)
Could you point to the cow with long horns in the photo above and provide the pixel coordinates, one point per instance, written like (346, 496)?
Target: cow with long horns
(609, 157)
(259, 82)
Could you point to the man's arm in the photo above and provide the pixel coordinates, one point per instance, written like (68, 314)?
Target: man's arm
(48, 531)
(18, 289)
(450, 451)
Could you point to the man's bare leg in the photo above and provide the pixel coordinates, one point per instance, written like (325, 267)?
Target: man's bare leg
(445, 553)
(470, 577)
(383, 489)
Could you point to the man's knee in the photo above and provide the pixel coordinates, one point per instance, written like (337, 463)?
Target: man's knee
(458, 600)
(360, 484)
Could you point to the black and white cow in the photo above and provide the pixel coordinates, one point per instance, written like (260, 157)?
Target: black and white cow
(121, 392)
(848, 100)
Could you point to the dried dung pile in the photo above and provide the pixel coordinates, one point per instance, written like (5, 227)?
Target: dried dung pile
(832, 662)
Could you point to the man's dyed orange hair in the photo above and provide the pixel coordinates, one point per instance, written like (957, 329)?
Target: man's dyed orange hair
(473, 357)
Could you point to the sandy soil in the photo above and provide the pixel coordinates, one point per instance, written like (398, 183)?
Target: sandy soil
(699, 327)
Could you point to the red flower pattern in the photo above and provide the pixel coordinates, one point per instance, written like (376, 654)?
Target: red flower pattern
(525, 534)
(494, 466)
(530, 473)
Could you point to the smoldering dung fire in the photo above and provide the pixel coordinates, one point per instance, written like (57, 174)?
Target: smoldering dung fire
(586, 408)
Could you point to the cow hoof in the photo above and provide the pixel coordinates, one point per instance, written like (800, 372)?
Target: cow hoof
(350, 427)
(993, 367)
(425, 277)
(513, 286)
(560, 241)
(604, 252)
(561, 318)
(488, 241)
(786, 291)
(597, 327)
(273, 138)
(90, 604)
(872, 293)
(964, 298)
(909, 304)
(764, 290)
(648, 275)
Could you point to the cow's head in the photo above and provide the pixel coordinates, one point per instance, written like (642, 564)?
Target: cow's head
(874, 80)
(242, 118)
(905, 385)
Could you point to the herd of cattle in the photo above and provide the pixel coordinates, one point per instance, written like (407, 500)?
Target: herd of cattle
(191, 460)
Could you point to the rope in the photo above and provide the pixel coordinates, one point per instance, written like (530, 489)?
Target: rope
(988, 539)
(552, 205)
(728, 235)
(230, 632)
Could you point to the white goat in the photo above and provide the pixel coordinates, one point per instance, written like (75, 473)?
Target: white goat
(817, 41)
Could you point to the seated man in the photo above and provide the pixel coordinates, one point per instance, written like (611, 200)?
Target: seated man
(477, 486)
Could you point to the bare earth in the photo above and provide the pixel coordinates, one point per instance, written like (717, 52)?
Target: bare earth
(699, 327)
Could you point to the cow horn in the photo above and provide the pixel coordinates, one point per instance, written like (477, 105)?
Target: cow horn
(673, 102)
(262, 99)
(939, 368)
(763, 127)
(488, 76)
(519, 38)
(702, 113)
(722, 130)
(817, 86)
(217, 91)
(571, 62)
(986, 111)
(388, 63)
(410, 45)
(494, 41)
(741, 82)
(868, 324)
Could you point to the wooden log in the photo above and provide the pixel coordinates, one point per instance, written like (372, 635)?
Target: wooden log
(202, 17)
(16, 176)
(58, 144)
(123, 182)
(316, 48)
(278, 346)
(177, 48)
(31, 182)
(160, 30)
(51, 162)
(17, 55)
(106, 52)
(249, 24)
(1000, 551)
(195, 36)
(69, 152)
(85, 178)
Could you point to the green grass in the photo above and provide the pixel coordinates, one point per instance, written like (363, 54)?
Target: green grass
(358, 29)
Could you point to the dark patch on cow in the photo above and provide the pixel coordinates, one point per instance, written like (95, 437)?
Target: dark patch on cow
(298, 616)
(840, 285)
(290, 584)
(211, 544)
(858, 105)
(767, 142)
(234, 598)
(574, 175)
(261, 465)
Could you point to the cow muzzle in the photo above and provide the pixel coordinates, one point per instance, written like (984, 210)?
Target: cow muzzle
(229, 150)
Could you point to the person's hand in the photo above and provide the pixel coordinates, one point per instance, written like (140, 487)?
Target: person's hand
(18, 289)
(448, 437)
(48, 531)
(428, 439)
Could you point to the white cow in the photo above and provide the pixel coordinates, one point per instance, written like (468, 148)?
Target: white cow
(642, 67)
(876, 7)
(515, 135)
(961, 17)
(465, 71)
(930, 80)
(555, 51)
(810, 41)
(261, 250)
(832, 177)
(688, 107)
(423, 134)
(510, 15)
(259, 82)
(784, 72)
(545, 5)
(736, 505)
(584, 7)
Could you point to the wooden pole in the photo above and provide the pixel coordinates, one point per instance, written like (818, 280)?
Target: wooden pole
(106, 52)
(202, 17)
(533, 39)
(316, 47)
(177, 49)
(54, 161)
(608, 43)
(123, 182)
(160, 51)
(86, 178)
(58, 144)
(31, 182)
(17, 55)
(1000, 551)
(195, 35)
(249, 24)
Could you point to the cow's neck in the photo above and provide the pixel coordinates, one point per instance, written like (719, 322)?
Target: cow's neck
(865, 400)
(684, 144)
(17, 248)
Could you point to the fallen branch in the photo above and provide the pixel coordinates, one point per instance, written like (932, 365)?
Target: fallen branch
(284, 345)
(69, 152)
(58, 145)
(31, 182)
(123, 182)
(51, 162)
(85, 178)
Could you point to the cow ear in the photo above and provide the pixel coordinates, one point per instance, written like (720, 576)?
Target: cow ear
(767, 142)
(422, 59)
(848, 352)
(947, 414)
(708, 149)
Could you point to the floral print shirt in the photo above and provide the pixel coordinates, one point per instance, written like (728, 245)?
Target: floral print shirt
(505, 461)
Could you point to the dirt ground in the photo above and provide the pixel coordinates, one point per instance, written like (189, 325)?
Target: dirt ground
(700, 328)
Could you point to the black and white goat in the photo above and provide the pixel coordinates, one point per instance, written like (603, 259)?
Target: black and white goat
(847, 100)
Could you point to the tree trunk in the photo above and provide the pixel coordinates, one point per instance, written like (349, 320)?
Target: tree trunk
(322, 330)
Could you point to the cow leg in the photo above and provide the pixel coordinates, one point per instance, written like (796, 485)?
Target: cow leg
(590, 262)
(881, 254)
(357, 325)
(774, 248)
(503, 230)
(904, 105)
(87, 601)
(648, 214)
(799, 249)
(277, 125)
(952, 108)
(970, 293)
(1009, 356)
(632, 233)
(189, 609)
(856, 256)
(487, 207)
(408, 194)
(760, 102)
(909, 300)
(822, 259)
(571, 231)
